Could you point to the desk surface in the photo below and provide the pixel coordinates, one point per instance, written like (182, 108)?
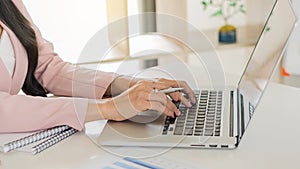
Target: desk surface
(271, 141)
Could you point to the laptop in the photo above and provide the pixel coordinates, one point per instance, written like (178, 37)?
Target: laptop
(220, 117)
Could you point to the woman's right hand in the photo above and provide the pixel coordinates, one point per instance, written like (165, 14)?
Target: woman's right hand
(138, 98)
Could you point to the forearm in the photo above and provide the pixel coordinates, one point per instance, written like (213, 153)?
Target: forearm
(36, 113)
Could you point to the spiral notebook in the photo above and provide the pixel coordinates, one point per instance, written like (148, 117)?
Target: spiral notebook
(34, 142)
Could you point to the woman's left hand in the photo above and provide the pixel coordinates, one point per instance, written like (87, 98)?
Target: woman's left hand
(162, 83)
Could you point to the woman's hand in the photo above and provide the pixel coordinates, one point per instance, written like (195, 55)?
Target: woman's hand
(122, 83)
(166, 83)
(141, 96)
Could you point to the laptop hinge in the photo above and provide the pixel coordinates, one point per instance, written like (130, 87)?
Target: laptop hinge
(234, 119)
(239, 114)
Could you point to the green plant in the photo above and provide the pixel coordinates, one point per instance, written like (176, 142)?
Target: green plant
(225, 8)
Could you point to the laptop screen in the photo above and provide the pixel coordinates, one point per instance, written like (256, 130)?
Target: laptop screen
(268, 51)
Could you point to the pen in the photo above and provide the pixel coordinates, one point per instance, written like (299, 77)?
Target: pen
(170, 90)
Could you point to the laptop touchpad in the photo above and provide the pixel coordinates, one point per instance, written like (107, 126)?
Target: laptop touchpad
(146, 116)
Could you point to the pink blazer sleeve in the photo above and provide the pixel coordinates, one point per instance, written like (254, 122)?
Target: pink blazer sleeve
(65, 79)
(25, 113)
(20, 113)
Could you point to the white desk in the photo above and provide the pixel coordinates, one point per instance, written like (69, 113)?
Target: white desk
(267, 143)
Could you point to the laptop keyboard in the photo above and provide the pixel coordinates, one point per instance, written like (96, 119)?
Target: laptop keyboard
(202, 119)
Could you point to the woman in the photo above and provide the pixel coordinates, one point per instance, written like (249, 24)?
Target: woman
(28, 62)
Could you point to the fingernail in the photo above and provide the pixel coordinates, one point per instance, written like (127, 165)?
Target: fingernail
(189, 104)
(194, 100)
(171, 114)
(178, 112)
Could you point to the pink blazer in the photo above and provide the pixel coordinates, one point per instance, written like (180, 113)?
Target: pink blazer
(19, 113)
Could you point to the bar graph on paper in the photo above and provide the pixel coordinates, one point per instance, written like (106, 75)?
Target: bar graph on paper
(135, 158)
(153, 163)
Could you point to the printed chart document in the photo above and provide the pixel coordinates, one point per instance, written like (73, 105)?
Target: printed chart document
(136, 158)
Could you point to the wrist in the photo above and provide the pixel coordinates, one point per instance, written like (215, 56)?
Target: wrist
(121, 83)
(99, 110)
(108, 110)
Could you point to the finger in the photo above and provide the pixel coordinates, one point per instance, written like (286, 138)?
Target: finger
(166, 102)
(176, 96)
(165, 83)
(185, 101)
(161, 108)
(188, 91)
(172, 107)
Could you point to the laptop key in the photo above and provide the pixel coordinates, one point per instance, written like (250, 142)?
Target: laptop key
(198, 134)
(172, 120)
(210, 125)
(201, 119)
(199, 123)
(179, 125)
(188, 132)
(208, 133)
(178, 131)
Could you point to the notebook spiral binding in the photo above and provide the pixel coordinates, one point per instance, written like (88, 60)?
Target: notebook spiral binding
(34, 138)
(53, 140)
